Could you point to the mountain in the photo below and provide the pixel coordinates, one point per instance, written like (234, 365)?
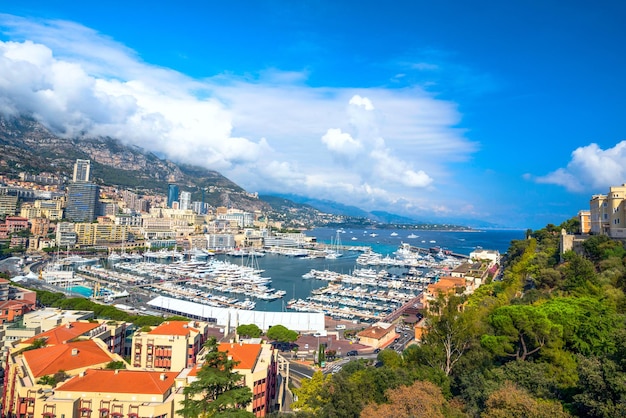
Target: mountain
(327, 206)
(28, 146)
(392, 218)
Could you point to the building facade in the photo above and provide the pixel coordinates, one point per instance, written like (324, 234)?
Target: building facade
(82, 202)
(172, 195)
(607, 213)
(82, 169)
(171, 346)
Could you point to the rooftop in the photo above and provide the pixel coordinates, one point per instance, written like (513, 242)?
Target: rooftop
(120, 381)
(173, 328)
(63, 333)
(245, 354)
(71, 356)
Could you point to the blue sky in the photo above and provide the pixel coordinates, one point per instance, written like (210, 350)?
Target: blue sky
(507, 112)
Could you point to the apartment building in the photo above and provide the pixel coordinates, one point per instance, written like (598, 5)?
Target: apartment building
(49, 209)
(258, 366)
(15, 301)
(39, 226)
(65, 235)
(90, 234)
(27, 390)
(171, 346)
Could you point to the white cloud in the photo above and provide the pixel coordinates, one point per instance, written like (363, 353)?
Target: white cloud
(341, 142)
(363, 102)
(264, 132)
(591, 168)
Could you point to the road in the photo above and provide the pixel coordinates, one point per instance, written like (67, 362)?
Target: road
(300, 371)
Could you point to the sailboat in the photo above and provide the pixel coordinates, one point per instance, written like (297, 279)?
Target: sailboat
(335, 250)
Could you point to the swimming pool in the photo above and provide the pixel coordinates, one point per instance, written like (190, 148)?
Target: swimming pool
(82, 290)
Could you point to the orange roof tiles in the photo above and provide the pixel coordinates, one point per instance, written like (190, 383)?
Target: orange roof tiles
(120, 381)
(376, 332)
(71, 356)
(63, 333)
(173, 328)
(245, 354)
(446, 284)
(8, 304)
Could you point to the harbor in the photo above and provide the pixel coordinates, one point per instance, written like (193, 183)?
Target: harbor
(357, 283)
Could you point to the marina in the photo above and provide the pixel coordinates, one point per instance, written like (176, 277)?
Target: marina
(359, 284)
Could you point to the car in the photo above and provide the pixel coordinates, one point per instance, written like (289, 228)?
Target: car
(352, 353)
(317, 334)
(376, 351)
(340, 326)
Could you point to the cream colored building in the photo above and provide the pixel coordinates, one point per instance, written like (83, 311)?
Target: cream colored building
(27, 393)
(171, 346)
(89, 234)
(50, 209)
(49, 318)
(258, 366)
(105, 393)
(378, 335)
(584, 217)
(608, 213)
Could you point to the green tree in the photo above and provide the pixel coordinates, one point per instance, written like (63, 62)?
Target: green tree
(115, 365)
(282, 334)
(601, 388)
(249, 330)
(579, 274)
(448, 334)
(520, 331)
(392, 359)
(37, 343)
(218, 391)
(588, 323)
(601, 247)
(310, 393)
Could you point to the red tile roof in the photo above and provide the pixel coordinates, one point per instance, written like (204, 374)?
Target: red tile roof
(173, 328)
(375, 332)
(120, 381)
(71, 356)
(245, 354)
(14, 304)
(64, 333)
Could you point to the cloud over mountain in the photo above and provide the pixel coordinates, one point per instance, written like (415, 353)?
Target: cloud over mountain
(268, 132)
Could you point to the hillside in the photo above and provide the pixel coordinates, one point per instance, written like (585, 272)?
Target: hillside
(27, 146)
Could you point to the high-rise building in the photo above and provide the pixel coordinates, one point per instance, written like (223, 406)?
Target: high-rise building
(81, 170)
(82, 202)
(185, 200)
(172, 195)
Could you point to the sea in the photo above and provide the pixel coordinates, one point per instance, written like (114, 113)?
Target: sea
(286, 272)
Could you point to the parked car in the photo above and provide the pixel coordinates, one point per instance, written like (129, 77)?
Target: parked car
(377, 351)
(352, 353)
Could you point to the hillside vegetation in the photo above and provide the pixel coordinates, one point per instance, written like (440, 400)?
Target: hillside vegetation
(547, 340)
